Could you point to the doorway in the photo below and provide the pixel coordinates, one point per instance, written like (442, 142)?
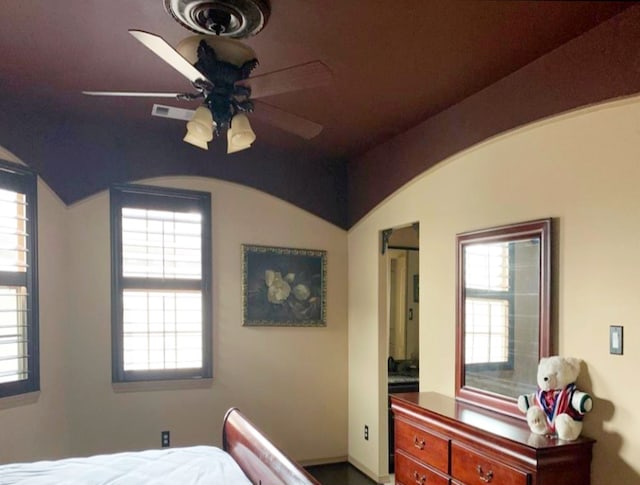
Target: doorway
(403, 329)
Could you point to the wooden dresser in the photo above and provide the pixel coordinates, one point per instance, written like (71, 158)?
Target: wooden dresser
(440, 441)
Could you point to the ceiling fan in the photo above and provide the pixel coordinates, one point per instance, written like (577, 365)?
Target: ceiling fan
(219, 68)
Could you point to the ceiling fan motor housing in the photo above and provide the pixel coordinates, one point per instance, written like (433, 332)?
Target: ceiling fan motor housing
(223, 62)
(231, 18)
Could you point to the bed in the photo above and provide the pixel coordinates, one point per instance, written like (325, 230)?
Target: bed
(247, 457)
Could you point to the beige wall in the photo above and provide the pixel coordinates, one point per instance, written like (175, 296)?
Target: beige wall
(292, 382)
(36, 425)
(582, 169)
(9, 156)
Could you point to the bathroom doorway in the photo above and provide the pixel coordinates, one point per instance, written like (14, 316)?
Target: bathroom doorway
(403, 329)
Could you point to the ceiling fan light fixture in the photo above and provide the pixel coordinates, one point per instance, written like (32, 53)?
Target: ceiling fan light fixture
(195, 141)
(219, 68)
(241, 132)
(240, 136)
(200, 128)
(231, 147)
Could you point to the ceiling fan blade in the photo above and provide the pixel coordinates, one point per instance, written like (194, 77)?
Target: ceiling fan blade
(133, 94)
(286, 121)
(304, 76)
(161, 48)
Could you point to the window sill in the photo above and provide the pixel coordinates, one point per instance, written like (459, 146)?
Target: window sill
(168, 385)
(19, 400)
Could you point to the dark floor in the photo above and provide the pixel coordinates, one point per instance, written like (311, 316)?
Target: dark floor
(339, 474)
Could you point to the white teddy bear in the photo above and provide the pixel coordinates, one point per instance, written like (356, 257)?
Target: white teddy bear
(557, 407)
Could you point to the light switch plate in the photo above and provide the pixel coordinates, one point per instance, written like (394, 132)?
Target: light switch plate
(615, 339)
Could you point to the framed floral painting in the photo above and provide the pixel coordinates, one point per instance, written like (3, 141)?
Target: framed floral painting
(283, 286)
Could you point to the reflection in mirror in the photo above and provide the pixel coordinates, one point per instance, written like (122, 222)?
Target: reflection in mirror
(503, 313)
(403, 305)
(402, 247)
(501, 281)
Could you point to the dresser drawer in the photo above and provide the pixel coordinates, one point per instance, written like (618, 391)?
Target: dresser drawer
(411, 472)
(424, 446)
(473, 468)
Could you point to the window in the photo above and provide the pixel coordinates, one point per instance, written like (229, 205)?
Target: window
(161, 283)
(488, 304)
(19, 363)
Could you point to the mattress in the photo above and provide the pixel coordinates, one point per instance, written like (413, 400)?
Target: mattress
(196, 465)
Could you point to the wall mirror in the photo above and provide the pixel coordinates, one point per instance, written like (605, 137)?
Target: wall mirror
(503, 313)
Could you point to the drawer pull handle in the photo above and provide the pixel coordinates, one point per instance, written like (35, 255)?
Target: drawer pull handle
(420, 479)
(485, 477)
(418, 443)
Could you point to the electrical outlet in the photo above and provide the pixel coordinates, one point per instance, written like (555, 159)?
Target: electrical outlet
(165, 439)
(366, 432)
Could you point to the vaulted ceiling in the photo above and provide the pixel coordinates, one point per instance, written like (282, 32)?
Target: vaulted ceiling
(394, 65)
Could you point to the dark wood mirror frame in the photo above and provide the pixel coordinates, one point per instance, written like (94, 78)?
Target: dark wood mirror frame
(538, 229)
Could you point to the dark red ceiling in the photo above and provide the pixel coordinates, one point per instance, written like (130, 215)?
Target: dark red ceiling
(395, 64)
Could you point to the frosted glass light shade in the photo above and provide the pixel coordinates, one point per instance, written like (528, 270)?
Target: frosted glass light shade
(240, 136)
(228, 50)
(200, 128)
(231, 147)
(203, 116)
(196, 141)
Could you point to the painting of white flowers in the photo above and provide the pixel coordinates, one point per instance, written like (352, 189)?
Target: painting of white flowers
(283, 286)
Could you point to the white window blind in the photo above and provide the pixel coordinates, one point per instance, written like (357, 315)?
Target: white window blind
(486, 330)
(162, 330)
(487, 266)
(161, 244)
(13, 231)
(13, 334)
(487, 306)
(19, 359)
(13, 299)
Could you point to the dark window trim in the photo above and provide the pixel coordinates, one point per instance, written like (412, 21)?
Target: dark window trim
(18, 178)
(161, 198)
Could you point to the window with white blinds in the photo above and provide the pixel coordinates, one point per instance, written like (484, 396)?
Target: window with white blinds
(161, 244)
(162, 330)
(161, 283)
(488, 303)
(19, 371)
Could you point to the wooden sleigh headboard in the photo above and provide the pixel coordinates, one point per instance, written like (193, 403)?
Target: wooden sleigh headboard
(260, 460)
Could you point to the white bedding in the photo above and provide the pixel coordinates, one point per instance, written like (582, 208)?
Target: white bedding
(196, 465)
